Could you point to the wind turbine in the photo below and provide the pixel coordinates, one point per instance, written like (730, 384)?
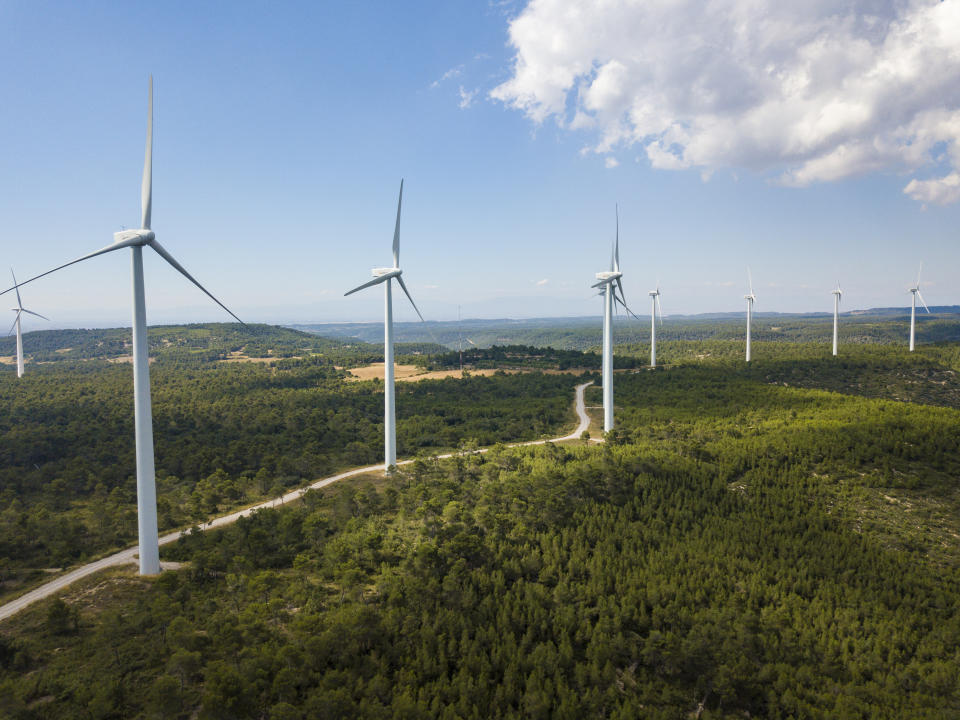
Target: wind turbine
(750, 300)
(915, 292)
(20, 310)
(385, 275)
(836, 314)
(654, 307)
(610, 281)
(461, 338)
(143, 418)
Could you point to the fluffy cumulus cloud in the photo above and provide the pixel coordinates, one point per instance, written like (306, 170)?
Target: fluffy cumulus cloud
(807, 91)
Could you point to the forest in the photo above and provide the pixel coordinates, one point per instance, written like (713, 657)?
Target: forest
(227, 433)
(775, 540)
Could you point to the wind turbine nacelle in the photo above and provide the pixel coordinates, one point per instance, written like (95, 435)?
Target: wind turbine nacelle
(133, 237)
(608, 276)
(653, 293)
(386, 273)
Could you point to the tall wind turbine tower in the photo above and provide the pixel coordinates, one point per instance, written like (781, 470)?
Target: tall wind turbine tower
(750, 300)
(610, 281)
(654, 308)
(20, 310)
(385, 275)
(136, 240)
(915, 292)
(836, 315)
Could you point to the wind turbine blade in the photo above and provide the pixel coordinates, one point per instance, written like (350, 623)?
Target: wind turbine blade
(922, 302)
(396, 230)
(918, 276)
(146, 187)
(620, 285)
(659, 308)
(375, 281)
(750, 279)
(470, 341)
(12, 327)
(629, 311)
(101, 251)
(33, 313)
(409, 297)
(600, 284)
(169, 258)
(19, 301)
(616, 244)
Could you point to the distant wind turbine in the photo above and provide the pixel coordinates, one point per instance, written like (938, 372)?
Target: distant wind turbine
(654, 308)
(461, 338)
(385, 275)
(20, 310)
(143, 418)
(750, 300)
(836, 314)
(610, 281)
(915, 292)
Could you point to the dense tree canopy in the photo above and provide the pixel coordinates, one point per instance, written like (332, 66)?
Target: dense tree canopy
(780, 540)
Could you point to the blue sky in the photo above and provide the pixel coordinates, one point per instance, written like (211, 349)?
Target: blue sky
(282, 131)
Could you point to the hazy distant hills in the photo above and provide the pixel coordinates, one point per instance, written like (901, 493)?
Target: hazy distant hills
(880, 325)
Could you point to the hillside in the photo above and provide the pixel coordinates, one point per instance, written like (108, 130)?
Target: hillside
(767, 541)
(229, 430)
(881, 326)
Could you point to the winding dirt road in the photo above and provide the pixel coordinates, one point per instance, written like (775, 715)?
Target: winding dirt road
(128, 556)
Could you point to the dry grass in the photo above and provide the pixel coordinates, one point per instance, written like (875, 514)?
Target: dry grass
(236, 357)
(408, 373)
(125, 359)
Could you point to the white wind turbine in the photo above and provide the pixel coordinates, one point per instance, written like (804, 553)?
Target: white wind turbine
(655, 309)
(836, 314)
(750, 300)
(385, 275)
(143, 419)
(610, 281)
(915, 292)
(20, 310)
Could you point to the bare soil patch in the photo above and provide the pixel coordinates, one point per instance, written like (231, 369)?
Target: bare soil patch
(408, 373)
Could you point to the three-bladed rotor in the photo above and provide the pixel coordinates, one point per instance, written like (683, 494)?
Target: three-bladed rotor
(916, 290)
(838, 292)
(381, 275)
(144, 235)
(655, 294)
(751, 297)
(613, 276)
(20, 309)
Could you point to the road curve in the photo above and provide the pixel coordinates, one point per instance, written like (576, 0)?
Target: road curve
(125, 557)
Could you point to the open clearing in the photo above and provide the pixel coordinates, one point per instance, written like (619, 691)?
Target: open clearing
(410, 373)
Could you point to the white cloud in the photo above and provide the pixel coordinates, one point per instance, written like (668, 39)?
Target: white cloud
(449, 74)
(805, 91)
(939, 191)
(466, 97)
(541, 283)
(610, 162)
